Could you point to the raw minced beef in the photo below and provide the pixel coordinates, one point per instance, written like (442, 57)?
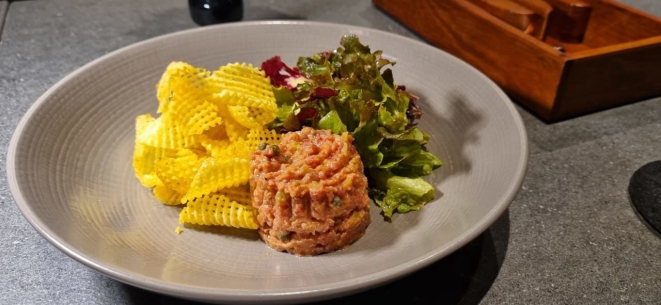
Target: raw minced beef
(310, 192)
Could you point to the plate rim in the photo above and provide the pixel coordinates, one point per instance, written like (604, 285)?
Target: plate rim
(317, 292)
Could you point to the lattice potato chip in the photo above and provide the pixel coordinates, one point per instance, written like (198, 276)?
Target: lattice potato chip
(218, 173)
(197, 152)
(240, 194)
(218, 210)
(234, 129)
(262, 135)
(177, 173)
(217, 132)
(144, 163)
(243, 78)
(212, 146)
(141, 123)
(167, 195)
(181, 80)
(195, 116)
(238, 148)
(165, 133)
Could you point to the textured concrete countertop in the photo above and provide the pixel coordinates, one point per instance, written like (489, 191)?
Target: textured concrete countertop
(570, 236)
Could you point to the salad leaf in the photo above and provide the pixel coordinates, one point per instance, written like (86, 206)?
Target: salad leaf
(420, 164)
(285, 100)
(280, 74)
(350, 89)
(367, 140)
(332, 121)
(401, 194)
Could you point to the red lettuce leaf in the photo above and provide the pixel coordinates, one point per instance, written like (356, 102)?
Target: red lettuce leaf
(280, 73)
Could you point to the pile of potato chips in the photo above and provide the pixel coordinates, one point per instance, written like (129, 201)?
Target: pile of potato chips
(197, 152)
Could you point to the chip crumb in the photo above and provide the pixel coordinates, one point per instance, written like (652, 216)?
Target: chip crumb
(178, 230)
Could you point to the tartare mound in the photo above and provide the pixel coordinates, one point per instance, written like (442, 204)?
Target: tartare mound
(309, 192)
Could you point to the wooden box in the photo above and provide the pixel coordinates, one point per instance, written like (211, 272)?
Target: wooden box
(558, 58)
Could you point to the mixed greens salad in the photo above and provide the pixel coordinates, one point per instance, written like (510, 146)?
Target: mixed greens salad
(348, 90)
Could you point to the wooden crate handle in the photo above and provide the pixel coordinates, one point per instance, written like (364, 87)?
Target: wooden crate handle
(569, 20)
(515, 14)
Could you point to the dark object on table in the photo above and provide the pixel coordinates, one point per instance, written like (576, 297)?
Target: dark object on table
(645, 194)
(206, 12)
(579, 57)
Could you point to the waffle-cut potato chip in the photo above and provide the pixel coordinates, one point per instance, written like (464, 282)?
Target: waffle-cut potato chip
(262, 135)
(212, 146)
(145, 159)
(164, 133)
(181, 79)
(250, 117)
(177, 173)
(247, 110)
(167, 195)
(215, 174)
(195, 117)
(197, 152)
(240, 194)
(235, 130)
(141, 123)
(171, 74)
(232, 98)
(218, 210)
(238, 148)
(243, 78)
(217, 132)
(243, 116)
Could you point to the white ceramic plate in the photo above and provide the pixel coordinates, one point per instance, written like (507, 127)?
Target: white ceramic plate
(70, 172)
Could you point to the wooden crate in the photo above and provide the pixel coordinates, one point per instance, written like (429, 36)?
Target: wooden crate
(561, 70)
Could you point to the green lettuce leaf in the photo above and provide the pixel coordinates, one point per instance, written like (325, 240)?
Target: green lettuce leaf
(286, 101)
(366, 141)
(332, 122)
(396, 193)
(420, 164)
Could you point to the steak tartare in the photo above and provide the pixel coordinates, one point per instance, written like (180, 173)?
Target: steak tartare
(309, 192)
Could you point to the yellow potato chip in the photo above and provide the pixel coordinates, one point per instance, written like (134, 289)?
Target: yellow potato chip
(177, 173)
(218, 210)
(238, 148)
(250, 117)
(195, 117)
(243, 78)
(235, 130)
(145, 159)
(198, 150)
(165, 133)
(141, 123)
(181, 79)
(244, 116)
(215, 174)
(164, 86)
(262, 135)
(212, 146)
(234, 98)
(240, 194)
(217, 132)
(166, 195)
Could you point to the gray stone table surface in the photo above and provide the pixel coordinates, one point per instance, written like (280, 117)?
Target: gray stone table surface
(569, 237)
